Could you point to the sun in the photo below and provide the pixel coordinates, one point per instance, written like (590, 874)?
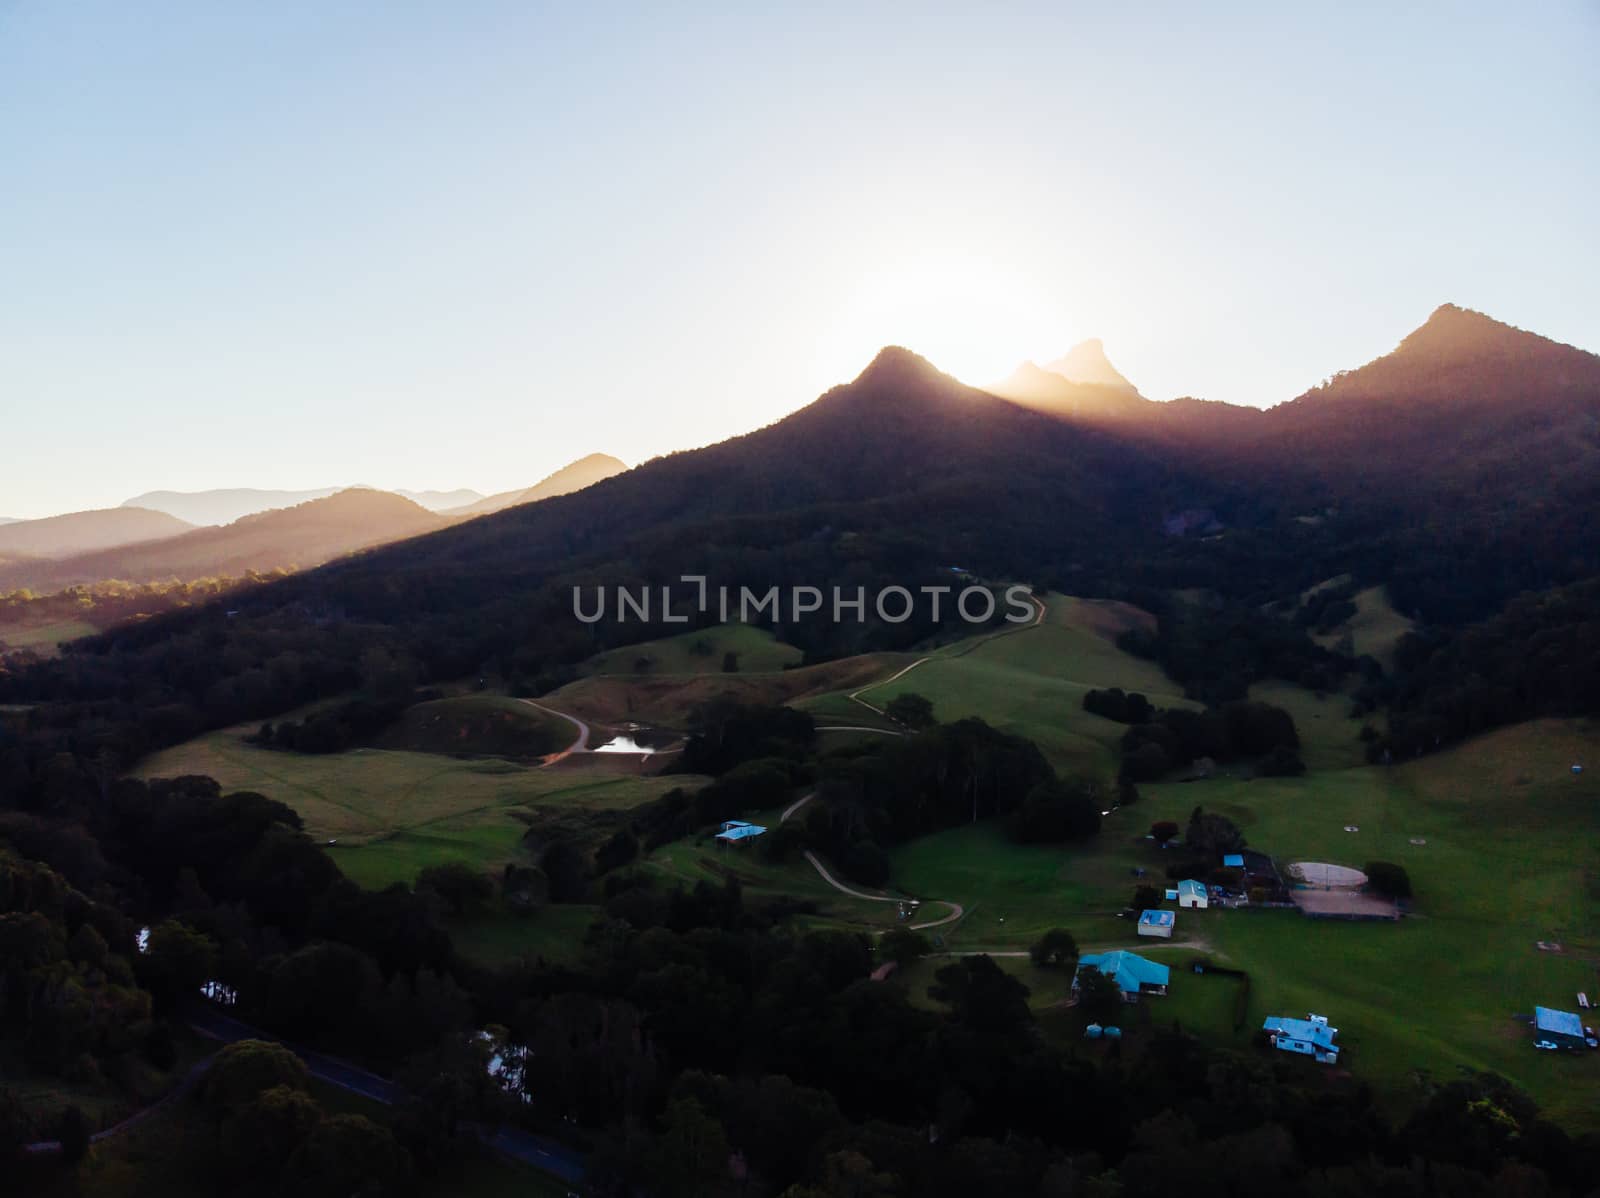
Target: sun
(966, 315)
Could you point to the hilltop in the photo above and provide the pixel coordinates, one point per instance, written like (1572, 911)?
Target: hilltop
(85, 532)
(298, 537)
(574, 476)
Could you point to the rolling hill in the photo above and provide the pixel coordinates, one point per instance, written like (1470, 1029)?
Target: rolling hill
(575, 476)
(226, 505)
(57, 537)
(290, 538)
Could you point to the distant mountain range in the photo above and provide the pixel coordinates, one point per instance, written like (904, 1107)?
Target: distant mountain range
(298, 537)
(230, 504)
(293, 530)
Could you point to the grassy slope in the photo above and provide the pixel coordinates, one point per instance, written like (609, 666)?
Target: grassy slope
(1031, 681)
(759, 652)
(478, 724)
(43, 638)
(394, 812)
(1374, 629)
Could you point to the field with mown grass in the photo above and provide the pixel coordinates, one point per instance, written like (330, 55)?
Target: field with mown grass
(394, 812)
(703, 651)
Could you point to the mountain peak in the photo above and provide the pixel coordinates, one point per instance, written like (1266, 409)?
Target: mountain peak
(1086, 362)
(895, 364)
(1458, 354)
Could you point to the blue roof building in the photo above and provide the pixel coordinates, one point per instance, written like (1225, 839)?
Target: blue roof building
(1192, 894)
(1132, 973)
(1234, 861)
(1157, 923)
(1564, 1027)
(736, 829)
(1310, 1036)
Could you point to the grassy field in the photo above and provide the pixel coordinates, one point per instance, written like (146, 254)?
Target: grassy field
(481, 724)
(757, 651)
(1374, 630)
(1509, 859)
(667, 700)
(1031, 681)
(43, 638)
(394, 812)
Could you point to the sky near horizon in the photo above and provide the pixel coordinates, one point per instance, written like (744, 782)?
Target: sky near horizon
(434, 246)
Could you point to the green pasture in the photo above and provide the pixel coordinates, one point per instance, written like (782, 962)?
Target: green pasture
(699, 652)
(395, 812)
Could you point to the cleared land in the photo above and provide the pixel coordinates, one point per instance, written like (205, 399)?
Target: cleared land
(490, 725)
(1031, 681)
(703, 651)
(43, 638)
(394, 812)
(1374, 630)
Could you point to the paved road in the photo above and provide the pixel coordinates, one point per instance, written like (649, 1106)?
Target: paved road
(520, 1145)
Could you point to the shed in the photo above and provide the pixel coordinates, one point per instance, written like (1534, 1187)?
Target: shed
(1157, 923)
(1192, 894)
(735, 830)
(1172, 894)
(1234, 860)
(1564, 1027)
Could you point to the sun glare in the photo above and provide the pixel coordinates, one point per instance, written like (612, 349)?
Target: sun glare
(965, 315)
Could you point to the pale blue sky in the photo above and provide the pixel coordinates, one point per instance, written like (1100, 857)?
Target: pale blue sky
(439, 245)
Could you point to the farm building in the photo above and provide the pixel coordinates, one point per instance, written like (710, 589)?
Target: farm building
(1310, 1036)
(736, 830)
(1564, 1029)
(1192, 894)
(1132, 973)
(1234, 860)
(1157, 923)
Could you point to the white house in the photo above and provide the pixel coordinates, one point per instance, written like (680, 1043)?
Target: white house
(1192, 894)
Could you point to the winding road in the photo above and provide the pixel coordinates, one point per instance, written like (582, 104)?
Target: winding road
(956, 909)
(581, 745)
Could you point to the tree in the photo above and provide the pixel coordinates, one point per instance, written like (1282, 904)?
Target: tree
(1147, 763)
(1146, 898)
(1211, 835)
(1162, 831)
(692, 1150)
(348, 1155)
(912, 710)
(458, 885)
(179, 961)
(1057, 810)
(259, 1137)
(730, 662)
(1099, 996)
(982, 996)
(903, 946)
(1388, 879)
(1056, 949)
(246, 1069)
(72, 1129)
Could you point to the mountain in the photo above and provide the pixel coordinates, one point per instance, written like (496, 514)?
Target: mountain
(85, 532)
(9, 520)
(1459, 356)
(298, 537)
(575, 476)
(224, 506)
(1086, 362)
(439, 501)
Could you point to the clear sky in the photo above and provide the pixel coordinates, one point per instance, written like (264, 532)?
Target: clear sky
(436, 245)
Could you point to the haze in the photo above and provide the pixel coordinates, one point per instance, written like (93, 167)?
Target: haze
(296, 245)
